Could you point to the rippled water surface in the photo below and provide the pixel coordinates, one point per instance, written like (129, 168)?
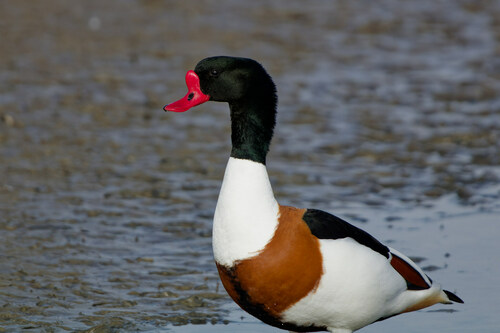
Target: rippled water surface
(389, 117)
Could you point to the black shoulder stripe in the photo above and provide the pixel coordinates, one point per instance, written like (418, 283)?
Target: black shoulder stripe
(327, 226)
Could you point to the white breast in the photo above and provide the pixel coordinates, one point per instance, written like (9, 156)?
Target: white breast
(246, 215)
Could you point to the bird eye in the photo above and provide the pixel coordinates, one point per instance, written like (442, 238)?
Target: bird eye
(214, 72)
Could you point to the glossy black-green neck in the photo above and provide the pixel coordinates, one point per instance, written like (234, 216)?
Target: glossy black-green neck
(252, 127)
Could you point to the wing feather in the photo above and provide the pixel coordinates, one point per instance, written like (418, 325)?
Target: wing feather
(324, 225)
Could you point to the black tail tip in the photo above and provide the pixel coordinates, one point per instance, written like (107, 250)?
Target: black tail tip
(453, 297)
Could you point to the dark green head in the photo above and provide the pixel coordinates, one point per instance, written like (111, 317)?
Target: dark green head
(251, 94)
(230, 79)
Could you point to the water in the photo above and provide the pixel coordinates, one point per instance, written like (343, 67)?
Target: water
(389, 117)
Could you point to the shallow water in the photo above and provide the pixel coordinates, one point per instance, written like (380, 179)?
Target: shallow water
(389, 117)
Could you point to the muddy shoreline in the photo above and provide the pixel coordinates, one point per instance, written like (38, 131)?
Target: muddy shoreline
(387, 110)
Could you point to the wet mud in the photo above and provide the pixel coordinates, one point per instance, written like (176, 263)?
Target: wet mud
(389, 116)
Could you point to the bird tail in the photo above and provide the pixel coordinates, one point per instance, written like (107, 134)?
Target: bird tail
(452, 297)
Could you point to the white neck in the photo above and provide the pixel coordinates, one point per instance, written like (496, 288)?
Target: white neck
(247, 212)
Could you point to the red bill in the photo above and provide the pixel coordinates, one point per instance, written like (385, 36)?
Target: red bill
(193, 97)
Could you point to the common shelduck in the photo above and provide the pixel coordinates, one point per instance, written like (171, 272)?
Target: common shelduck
(302, 270)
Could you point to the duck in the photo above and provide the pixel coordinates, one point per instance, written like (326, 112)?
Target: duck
(297, 269)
